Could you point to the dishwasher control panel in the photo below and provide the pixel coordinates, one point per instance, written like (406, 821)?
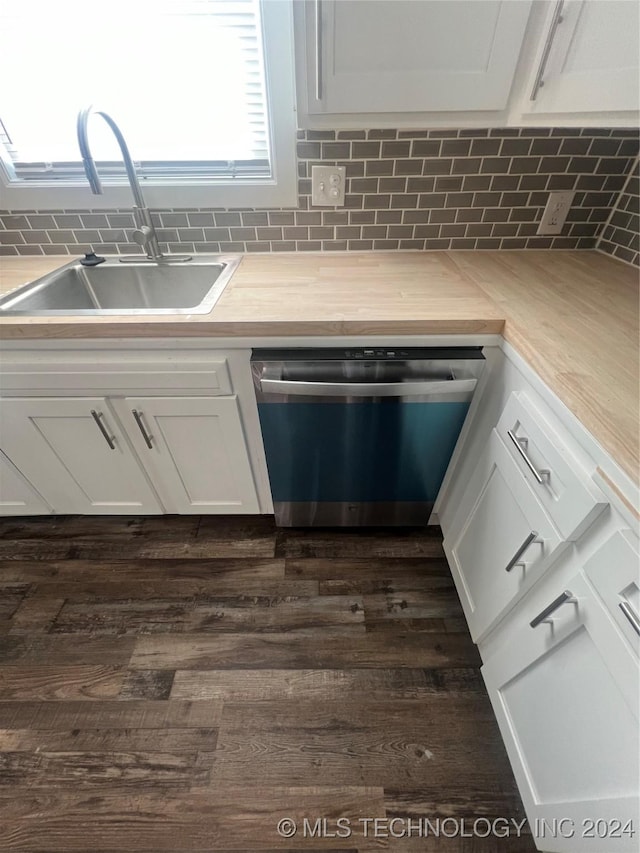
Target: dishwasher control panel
(368, 353)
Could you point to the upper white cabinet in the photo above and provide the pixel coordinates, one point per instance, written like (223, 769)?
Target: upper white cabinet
(408, 56)
(588, 59)
(467, 63)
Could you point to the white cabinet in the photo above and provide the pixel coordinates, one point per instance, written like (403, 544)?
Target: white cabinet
(107, 429)
(404, 56)
(194, 451)
(522, 492)
(468, 63)
(565, 694)
(614, 571)
(545, 460)
(587, 60)
(500, 541)
(73, 451)
(17, 495)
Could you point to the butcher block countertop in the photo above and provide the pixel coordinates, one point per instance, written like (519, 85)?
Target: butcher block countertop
(573, 316)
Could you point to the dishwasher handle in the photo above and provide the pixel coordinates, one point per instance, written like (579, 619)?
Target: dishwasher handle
(368, 389)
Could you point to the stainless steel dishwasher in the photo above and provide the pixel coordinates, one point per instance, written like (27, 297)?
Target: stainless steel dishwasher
(361, 436)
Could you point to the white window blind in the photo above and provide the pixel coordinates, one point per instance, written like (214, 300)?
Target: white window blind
(183, 79)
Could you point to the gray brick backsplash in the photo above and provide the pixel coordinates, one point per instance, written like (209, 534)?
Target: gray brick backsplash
(620, 235)
(405, 190)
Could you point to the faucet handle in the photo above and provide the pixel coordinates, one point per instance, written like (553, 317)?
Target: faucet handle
(142, 235)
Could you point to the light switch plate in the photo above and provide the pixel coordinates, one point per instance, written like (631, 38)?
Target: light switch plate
(327, 186)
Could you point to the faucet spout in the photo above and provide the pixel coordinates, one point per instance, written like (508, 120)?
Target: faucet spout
(145, 233)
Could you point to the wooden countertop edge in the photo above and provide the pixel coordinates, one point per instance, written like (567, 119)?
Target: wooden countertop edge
(621, 496)
(268, 328)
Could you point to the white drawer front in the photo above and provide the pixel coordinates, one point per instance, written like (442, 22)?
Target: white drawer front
(614, 570)
(565, 694)
(186, 371)
(501, 541)
(559, 481)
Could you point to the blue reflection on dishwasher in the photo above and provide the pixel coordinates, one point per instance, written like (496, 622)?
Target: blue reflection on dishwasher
(369, 451)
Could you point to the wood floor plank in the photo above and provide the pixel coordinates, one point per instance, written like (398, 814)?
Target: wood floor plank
(360, 542)
(302, 650)
(221, 584)
(96, 548)
(388, 743)
(413, 604)
(162, 537)
(105, 527)
(498, 798)
(108, 714)
(358, 569)
(36, 614)
(11, 597)
(300, 684)
(145, 570)
(103, 740)
(210, 613)
(212, 818)
(64, 650)
(444, 844)
(147, 684)
(77, 770)
(389, 586)
(34, 549)
(60, 682)
(397, 629)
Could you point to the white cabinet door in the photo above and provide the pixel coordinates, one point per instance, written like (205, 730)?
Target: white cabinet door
(500, 541)
(17, 495)
(614, 572)
(565, 694)
(589, 61)
(74, 453)
(194, 451)
(406, 56)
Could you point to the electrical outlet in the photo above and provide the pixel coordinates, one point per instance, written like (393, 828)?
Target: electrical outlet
(327, 185)
(555, 213)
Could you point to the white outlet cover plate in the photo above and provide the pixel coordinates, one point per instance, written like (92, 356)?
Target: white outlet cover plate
(555, 213)
(327, 186)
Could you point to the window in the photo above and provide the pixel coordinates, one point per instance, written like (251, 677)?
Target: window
(201, 89)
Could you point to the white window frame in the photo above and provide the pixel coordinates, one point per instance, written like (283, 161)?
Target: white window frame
(279, 190)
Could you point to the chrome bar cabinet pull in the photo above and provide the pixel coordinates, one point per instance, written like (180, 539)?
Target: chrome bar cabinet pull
(631, 615)
(555, 23)
(97, 416)
(567, 597)
(147, 438)
(531, 538)
(521, 445)
(318, 56)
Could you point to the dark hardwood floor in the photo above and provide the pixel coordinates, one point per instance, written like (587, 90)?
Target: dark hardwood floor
(183, 684)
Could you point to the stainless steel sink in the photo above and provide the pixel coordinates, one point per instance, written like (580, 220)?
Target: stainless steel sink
(113, 287)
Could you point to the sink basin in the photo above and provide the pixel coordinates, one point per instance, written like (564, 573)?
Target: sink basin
(191, 287)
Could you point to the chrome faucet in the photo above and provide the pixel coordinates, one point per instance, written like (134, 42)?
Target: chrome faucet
(145, 233)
